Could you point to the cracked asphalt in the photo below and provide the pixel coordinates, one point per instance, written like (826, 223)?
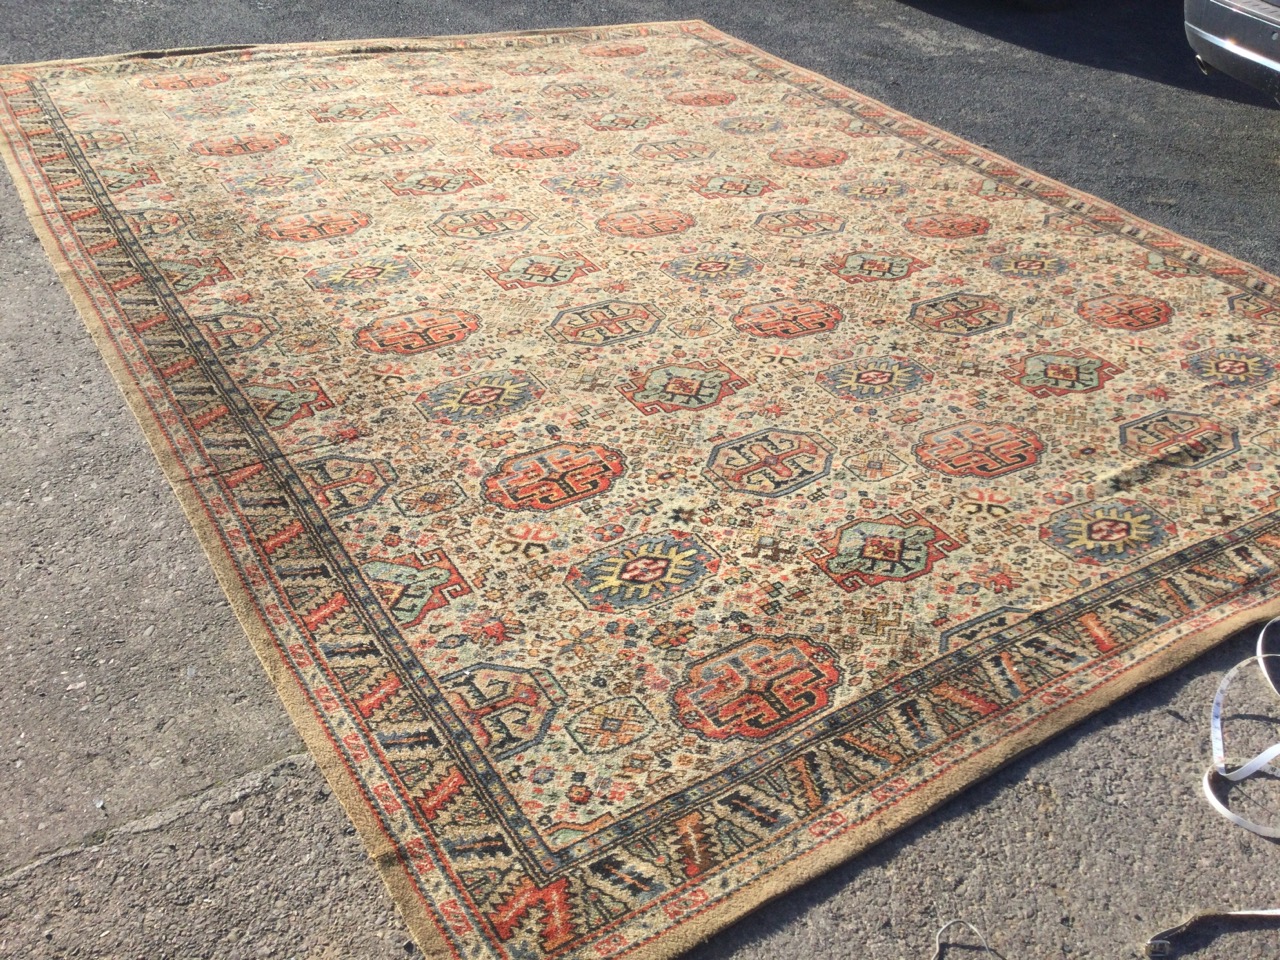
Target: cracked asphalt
(155, 801)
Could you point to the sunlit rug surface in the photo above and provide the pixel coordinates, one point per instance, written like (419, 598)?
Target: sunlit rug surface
(650, 472)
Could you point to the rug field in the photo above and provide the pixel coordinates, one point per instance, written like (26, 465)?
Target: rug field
(650, 472)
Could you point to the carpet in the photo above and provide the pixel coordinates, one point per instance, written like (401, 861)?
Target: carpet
(651, 473)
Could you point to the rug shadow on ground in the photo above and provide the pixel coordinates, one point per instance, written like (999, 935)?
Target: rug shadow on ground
(1143, 38)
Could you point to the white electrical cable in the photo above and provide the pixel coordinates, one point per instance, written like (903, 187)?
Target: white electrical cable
(937, 938)
(1267, 658)
(1269, 664)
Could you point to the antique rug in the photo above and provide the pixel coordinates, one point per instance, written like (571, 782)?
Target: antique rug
(650, 472)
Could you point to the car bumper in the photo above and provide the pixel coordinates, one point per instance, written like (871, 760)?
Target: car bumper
(1239, 37)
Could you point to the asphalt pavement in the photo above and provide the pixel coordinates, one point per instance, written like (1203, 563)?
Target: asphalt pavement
(155, 801)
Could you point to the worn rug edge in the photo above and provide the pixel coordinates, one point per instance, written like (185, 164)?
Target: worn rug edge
(417, 913)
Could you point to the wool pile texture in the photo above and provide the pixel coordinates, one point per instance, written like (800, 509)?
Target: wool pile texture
(650, 472)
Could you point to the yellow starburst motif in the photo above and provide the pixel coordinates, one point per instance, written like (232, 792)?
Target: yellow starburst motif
(1105, 533)
(638, 573)
(1110, 530)
(642, 571)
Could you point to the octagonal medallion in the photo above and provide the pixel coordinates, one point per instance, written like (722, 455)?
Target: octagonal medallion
(1231, 368)
(1029, 265)
(1061, 373)
(535, 148)
(363, 274)
(644, 224)
(809, 158)
(482, 224)
(1116, 531)
(788, 318)
(871, 551)
(623, 121)
(641, 572)
(870, 266)
(605, 323)
(481, 397)
(674, 151)
(799, 224)
(733, 187)
(586, 184)
(674, 387)
(961, 314)
(1131, 312)
(312, 225)
(1176, 438)
(430, 183)
(554, 476)
(712, 267)
(756, 688)
(428, 328)
(389, 145)
(979, 449)
(769, 463)
(1255, 307)
(541, 270)
(874, 378)
(948, 226)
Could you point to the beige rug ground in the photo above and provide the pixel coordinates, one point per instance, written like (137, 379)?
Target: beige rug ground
(650, 472)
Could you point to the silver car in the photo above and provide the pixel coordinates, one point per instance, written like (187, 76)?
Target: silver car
(1239, 37)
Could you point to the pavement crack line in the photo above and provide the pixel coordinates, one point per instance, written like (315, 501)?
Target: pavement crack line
(216, 795)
